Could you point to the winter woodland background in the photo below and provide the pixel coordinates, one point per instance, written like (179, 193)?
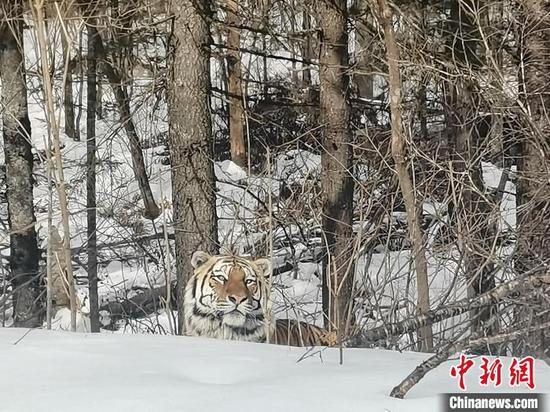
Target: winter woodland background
(392, 157)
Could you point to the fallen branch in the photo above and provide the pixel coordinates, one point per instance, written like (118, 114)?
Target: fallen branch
(144, 302)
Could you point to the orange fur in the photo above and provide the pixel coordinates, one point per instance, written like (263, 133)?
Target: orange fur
(221, 285)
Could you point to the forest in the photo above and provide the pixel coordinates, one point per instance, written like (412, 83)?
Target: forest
(384, 163)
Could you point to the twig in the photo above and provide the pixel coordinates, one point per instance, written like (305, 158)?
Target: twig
(23, 337)
(454, 309)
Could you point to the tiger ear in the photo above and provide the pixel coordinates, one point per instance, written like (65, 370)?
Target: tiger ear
(264, 265)
(199, 258)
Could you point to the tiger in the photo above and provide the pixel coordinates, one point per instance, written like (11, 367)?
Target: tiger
(228, 298)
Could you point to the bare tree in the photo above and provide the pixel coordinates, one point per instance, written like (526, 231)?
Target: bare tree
(68, 99)
(91, 204)
(193, 186)
(337, 165)
(24, 253)
(306, 45)
(234, 85)
(54, 143)
(470, 208)
(152, 211)
(533, 249)
(399, 154)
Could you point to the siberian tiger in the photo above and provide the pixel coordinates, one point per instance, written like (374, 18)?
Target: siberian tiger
(228, 298)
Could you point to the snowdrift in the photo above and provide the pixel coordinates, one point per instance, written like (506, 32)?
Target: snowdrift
(61, 371)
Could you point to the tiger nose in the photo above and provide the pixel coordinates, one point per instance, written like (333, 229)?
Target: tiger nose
(237, 300)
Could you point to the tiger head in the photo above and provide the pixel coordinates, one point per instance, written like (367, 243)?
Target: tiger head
(227, 297)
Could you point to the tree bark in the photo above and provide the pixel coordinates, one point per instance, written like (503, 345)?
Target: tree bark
(68, 99)
(533, 248)
(234, 85)
(59, 283)
(91, 211)
(336, 165)
(399, 154)
(24, 253)
(363, 55)
(471, 211)
(193, 184)
(80, 77)
(307, 49)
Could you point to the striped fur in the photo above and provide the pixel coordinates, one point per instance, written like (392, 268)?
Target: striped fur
(294, 333)
(227, 298)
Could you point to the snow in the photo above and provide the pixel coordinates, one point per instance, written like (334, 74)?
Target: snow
(62, 371)
(229, 171)
(135, 372)
(296, 165)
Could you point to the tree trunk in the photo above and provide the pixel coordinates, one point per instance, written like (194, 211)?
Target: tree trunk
(307, 52)
(363, 56)
(68, 99)
(152, 211)
(336, 165)
(399, 154)
(471, 211)
(44, 46)
(234, 85)
(59, 282)
(24, 253)
(533, 249)
(99, 96)
(193, 184)
(80, 77)
(91, 211)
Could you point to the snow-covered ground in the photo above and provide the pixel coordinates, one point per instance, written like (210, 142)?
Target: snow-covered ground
(387, 276)
(61, 371)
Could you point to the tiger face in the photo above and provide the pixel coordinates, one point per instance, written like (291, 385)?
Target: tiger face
(226, 297)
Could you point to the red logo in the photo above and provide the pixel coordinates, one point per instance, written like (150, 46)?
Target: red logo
(492, 372)
(461, 370)
(521, 371)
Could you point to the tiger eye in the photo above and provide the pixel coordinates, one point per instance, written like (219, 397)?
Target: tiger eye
(220, 278)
